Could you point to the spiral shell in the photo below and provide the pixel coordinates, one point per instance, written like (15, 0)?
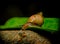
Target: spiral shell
(36, 19)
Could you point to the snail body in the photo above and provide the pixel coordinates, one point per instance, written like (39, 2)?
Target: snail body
(36, 19)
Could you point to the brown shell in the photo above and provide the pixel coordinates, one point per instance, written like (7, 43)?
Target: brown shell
(37, 19)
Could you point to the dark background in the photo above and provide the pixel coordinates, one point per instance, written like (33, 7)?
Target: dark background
(25, 8)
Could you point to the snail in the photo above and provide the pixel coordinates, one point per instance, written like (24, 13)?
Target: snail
(36, 19)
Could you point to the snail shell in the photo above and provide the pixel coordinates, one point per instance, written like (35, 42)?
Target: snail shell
(36, 19)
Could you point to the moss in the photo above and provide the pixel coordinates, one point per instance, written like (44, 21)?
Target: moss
(50, 24)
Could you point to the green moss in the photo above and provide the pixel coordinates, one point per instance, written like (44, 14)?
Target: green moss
(50, 24)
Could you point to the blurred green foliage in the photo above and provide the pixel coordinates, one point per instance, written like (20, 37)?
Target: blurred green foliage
(50, 24)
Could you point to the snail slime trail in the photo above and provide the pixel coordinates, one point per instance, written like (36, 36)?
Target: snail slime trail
(36, 19)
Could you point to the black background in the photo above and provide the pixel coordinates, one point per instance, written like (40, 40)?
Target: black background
(27, 8)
